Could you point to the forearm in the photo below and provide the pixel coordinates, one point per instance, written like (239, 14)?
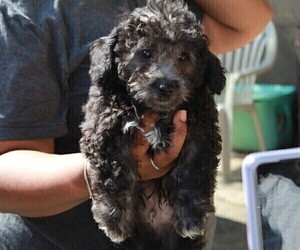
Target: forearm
(231, 23)
(34, 184)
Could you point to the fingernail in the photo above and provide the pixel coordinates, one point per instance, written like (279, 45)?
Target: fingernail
(183, 115)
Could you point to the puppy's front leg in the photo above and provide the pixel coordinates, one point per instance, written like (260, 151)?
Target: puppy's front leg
(190, 214)
(114, 207)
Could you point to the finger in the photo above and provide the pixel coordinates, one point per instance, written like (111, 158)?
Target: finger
(147, 171)
(141, 145)
(148, 121)
(164, 158)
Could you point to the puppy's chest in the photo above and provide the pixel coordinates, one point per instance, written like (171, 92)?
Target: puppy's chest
(156, 212)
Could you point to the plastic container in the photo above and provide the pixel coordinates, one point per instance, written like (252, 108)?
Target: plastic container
(274, 105)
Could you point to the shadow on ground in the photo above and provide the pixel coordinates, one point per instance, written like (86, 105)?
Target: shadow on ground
(230, 235)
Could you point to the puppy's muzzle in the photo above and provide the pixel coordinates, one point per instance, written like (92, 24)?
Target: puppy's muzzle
(165, 87)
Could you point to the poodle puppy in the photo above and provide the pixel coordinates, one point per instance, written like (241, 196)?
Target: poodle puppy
(156, 60)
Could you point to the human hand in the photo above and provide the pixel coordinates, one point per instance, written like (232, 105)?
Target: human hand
(162, 159)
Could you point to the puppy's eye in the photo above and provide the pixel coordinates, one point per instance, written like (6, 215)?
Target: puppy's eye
(183, 57)
(146, 53)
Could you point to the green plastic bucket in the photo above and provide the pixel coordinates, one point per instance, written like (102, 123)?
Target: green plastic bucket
(274, 105)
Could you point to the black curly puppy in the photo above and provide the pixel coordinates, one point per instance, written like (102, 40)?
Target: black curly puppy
(156, 60)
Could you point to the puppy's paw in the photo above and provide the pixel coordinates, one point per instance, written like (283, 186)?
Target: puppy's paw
(157, 140)
(190, 226)
(116, 234)
(117, 222)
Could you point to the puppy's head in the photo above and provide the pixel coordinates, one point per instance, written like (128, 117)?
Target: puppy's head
(160, 53)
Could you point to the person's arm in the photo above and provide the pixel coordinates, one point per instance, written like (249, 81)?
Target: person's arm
(35, 182)
(230, 24)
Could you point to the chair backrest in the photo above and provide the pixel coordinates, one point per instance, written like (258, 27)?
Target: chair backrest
(244, 64)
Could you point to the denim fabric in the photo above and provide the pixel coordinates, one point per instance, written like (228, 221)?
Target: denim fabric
(15, 235)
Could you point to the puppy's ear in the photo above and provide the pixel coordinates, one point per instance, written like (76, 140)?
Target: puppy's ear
(214, 75)
(102, 58)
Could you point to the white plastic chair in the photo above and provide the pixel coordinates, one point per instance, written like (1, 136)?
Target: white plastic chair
(243, 65)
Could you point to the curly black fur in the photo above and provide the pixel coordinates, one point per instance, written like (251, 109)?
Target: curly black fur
(157, 59)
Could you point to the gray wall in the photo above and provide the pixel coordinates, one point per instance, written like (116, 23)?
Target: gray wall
(286, 19)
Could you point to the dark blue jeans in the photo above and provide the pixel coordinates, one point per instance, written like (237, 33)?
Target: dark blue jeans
(15, 235)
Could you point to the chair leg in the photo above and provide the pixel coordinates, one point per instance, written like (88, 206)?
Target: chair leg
(259, 134)
(226, 145)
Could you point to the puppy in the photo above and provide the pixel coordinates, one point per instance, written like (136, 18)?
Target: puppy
(156, 60)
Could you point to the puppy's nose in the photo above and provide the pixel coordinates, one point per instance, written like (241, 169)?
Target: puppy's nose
(164, 87)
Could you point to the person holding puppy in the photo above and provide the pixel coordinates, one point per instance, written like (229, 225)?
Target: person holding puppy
(44, 83)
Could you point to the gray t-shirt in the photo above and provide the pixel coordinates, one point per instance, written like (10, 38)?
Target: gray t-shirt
(44, 64)
(44, 81)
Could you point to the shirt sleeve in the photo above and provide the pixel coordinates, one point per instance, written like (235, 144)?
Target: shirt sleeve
(33, 85)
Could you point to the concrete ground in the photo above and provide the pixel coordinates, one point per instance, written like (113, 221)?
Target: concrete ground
(230, 210)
